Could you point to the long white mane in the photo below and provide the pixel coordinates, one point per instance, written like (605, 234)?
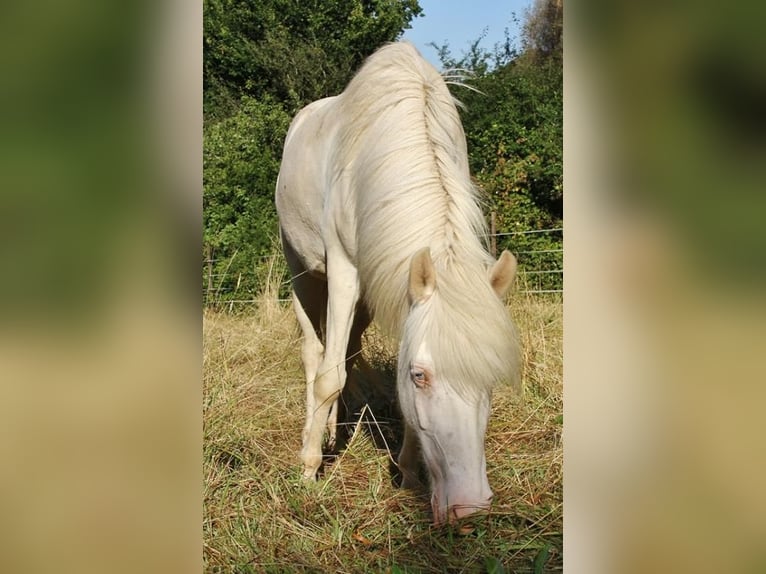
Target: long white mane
(402, 149)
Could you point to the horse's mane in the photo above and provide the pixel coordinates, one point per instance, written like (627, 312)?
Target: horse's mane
(402, 148)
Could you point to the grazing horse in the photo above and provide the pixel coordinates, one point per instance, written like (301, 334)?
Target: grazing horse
(379, 219)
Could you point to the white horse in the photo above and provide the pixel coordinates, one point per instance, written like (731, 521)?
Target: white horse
(379, 219)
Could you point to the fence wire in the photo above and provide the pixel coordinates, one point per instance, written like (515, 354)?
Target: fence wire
(215, 292)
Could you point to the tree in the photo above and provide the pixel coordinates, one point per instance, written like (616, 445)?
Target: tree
(542, 33)
(513, 121)
(241, 162)
(294, 51)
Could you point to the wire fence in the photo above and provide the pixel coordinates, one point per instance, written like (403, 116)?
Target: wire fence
(539, 253)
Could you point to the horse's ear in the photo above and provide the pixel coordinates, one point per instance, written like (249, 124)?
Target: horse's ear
(502, 274)
(422, 276)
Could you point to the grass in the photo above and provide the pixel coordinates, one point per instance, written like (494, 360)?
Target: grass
(259, 516)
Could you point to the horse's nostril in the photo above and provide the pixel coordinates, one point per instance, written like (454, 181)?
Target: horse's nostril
(459, 511)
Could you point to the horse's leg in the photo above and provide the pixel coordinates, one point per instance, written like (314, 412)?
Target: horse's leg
(304, 301)
(310, 303)
(409, 459)
(343, 294)
(361, 322)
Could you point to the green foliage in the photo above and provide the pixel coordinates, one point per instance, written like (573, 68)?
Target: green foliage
(494, 566)
(241, 163)
(514, 127)
(514, 132)
(295, 52)
(538, 563)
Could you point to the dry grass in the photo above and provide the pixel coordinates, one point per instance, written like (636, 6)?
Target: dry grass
(259, 516)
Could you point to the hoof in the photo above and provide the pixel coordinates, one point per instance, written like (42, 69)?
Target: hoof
(311, 465)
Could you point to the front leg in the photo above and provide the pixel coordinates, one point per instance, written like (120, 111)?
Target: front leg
(362, 320)
(343, 294)
(332, 424)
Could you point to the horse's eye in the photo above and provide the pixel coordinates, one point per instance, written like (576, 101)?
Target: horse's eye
(419, 377)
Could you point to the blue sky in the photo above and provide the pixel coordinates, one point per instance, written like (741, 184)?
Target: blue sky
(459, 23)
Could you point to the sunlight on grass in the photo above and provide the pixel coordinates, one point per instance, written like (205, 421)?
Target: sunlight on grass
(261, 517)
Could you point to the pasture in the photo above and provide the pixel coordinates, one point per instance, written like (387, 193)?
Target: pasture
(260, 516)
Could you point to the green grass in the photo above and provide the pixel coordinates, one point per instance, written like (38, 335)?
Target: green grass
(259, 516)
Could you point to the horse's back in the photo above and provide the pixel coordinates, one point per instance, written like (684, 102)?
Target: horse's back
(360, 174)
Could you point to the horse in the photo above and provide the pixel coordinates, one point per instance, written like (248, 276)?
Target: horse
(379, 219)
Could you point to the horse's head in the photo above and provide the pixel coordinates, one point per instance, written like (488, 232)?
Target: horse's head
(449, 417)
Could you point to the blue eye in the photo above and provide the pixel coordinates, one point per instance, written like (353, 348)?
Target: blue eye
(418, 377)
